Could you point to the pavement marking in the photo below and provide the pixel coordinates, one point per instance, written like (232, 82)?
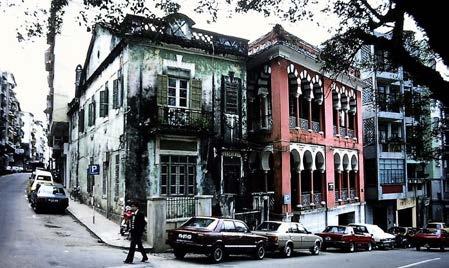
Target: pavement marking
(418, 263)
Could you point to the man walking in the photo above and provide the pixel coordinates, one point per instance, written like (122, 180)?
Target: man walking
(137, 227)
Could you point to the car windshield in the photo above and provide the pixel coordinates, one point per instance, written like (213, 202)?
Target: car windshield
(336, 229)
(201, 223)
(430, 231)
(268, 226)
(51, 190)
(43, 178)
(374, 229)
(434, 225)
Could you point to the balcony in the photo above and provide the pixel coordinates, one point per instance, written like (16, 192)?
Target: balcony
(169, 118)
(346, 196)
(310, 201)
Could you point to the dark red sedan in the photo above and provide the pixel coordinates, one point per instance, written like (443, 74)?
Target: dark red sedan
(346, 237)
(431, 238)
(216, 238)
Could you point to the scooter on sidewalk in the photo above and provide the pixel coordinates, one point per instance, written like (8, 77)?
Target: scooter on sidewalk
(125, 223)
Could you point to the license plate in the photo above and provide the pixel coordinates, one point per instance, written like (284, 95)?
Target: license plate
(53, 200)
(184, 236)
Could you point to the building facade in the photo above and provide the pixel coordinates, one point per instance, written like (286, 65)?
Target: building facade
(395, 172)
(149, 110)
(305, 133)
(11, 133)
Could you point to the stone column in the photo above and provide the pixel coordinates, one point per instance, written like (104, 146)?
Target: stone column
(298, 112)
(156, 215)
(348, 182)
(338, 122)
(311, 187)
(340, 181)
(310, 115)
(299, 188)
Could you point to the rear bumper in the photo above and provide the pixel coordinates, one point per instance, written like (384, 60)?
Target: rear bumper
(190, 247)
(335, 244)
(386, 244)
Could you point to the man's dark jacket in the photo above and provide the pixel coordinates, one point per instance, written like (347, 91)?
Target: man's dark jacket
(139, 225)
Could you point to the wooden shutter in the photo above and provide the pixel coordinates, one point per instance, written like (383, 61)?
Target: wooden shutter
(106, 101)
(102, 99)
(81, 120)
(162, 90)
(115, 94)
(121, 87)
(196, 91)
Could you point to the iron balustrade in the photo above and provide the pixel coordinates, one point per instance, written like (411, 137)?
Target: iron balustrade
(343, 132)
(337, 195)
(316, 127)
(350, 133)
(304, 123)
(184, 118)
(352, 194)
(180, 207)
(305, 199)
(344, 195)
(293, 122)
(317, 198)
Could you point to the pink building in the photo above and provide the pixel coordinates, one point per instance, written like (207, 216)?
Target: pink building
(307, 129)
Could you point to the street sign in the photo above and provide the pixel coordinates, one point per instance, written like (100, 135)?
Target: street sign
(93, 170)
(287, 199)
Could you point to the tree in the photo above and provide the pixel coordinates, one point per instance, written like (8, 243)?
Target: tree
(357, 20)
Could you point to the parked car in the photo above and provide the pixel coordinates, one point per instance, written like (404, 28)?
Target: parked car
(346, 237)
(49, 196)
(403, 236)
(285, 237)
(38, 177)
(431, 238)
(216, 238)
(382, 239)
(438, 225)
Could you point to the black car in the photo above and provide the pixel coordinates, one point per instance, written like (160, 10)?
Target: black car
(216, 238)
(51, 197)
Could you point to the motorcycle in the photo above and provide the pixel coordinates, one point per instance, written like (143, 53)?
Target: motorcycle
(125, 224)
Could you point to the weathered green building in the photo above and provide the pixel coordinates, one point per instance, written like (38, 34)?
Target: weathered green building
(159, 107)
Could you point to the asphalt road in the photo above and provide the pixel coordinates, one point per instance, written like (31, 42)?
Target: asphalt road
(33, 240)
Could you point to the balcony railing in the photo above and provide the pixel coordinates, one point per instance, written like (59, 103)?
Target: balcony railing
(344, 195)
(304, 123)
(292, 122)
(180, 207)
(352, 194)
(343, 132)
(350, 133)
(317, 198)
(184, 118)
(305, 200)
(316, 127)
(337, 195)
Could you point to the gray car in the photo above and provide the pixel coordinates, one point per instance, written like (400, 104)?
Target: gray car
(285, 237)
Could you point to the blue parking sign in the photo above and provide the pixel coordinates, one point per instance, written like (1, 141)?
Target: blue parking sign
(93, 170)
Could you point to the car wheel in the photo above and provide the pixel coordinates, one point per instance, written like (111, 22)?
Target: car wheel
(217, 254)
(315, 250)
(370, 247)
(260, 252)
(288, 249)
(179, 254)
(351, 247)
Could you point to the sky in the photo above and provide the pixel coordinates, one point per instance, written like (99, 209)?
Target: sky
(26, 59)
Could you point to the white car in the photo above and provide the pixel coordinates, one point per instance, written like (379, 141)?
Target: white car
(39, 177)
(382, 239)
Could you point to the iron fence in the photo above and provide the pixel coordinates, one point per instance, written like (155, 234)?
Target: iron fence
(180, 207)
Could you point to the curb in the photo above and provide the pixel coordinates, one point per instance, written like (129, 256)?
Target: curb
(93, 233)
(147, 250)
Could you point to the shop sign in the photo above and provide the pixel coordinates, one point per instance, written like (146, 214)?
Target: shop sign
(405, 203)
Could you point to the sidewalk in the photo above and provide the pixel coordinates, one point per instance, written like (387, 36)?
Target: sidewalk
(106, 230)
